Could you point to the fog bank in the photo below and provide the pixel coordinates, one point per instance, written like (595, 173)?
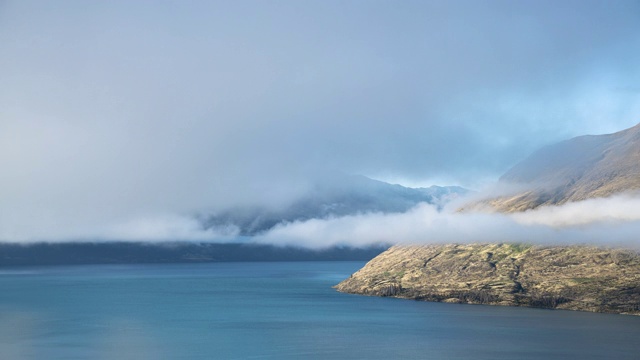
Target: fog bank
(606, 222)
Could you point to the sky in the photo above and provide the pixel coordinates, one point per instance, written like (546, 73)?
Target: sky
(121, 110)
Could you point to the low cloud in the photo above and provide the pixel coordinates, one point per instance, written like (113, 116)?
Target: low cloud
(151, 227)
(169, 228)
(608, 222)
(613, 221)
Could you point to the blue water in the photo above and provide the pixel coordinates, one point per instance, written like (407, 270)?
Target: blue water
(274, 311)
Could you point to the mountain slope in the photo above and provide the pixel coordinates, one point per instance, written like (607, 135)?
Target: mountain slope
(565, 277)
(346, 196)
(573, 170)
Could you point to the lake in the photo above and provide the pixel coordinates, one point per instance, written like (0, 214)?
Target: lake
(274, 310)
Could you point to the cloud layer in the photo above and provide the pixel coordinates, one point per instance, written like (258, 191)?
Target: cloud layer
(607, 222)
(611, 221)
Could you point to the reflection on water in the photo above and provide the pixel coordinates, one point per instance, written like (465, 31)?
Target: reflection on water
(274, 310)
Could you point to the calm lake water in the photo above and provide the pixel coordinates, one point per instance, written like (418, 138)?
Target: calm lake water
(274, 311)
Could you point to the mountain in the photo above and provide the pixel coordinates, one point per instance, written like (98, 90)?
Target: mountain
(564, 277)
(346, 195)
(573, 170)
(338, 197)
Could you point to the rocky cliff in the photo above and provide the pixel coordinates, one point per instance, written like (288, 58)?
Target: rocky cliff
(564, 277)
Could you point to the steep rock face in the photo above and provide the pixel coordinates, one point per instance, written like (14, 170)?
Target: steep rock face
(573, 170)
(565, 277)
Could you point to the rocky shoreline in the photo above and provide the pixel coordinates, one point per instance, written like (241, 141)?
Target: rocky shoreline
(584, 278)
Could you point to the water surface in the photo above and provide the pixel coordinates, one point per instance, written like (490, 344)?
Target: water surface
(274, 310)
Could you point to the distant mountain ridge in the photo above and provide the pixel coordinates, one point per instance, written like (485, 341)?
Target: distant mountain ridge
(338, 197)
(124, 252)
(349, 195)
(577, 169)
